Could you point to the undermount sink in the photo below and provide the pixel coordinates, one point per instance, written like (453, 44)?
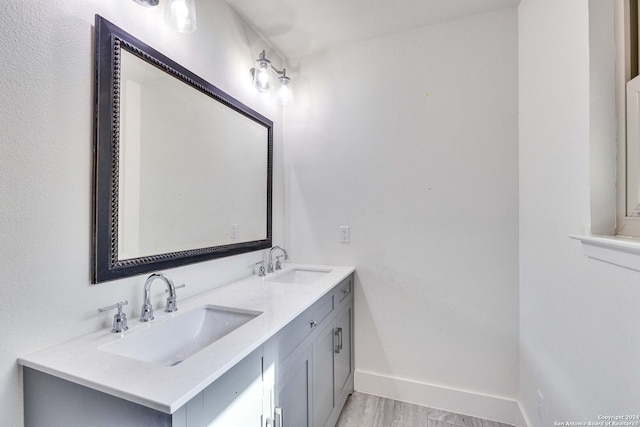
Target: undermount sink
(170, 342)
(300, 276)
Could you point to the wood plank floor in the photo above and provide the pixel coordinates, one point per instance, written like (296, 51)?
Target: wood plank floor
(365, 410)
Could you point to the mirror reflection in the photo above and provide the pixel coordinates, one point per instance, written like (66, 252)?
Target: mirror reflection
(193, 172)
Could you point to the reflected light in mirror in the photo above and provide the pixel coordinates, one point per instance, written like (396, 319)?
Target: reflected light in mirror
(219, 154)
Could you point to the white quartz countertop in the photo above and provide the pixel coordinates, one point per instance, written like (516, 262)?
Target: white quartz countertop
(167, 388)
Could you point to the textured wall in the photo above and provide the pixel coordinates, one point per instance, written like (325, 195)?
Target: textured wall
(46, 99)
(411, 139)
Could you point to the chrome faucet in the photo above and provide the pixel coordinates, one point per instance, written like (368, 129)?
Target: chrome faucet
(147, 308)
(270, 265)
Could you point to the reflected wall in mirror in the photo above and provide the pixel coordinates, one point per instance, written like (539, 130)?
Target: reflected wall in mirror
(183, 171)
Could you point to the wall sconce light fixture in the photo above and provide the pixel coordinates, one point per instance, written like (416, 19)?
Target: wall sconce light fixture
(179, 14)
(260, 77)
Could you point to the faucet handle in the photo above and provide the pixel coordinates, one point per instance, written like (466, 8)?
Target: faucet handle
(261, 271)
(278, 262)
(166, 291)
(119, 319)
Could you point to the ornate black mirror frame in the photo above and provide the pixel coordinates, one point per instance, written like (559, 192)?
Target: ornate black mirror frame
(109, 40)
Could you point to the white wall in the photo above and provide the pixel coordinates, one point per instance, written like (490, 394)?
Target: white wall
(46, 133)
(579, 318)
(411, 139)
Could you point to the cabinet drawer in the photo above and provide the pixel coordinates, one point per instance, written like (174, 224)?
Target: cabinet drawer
(344, 289)
(296, 331)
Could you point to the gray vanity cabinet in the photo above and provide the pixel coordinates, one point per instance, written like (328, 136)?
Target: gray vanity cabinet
(322, 384)
(344, 352)
(314, 379)
(235, 399)
(52, 401)
(292, 389)
(303, 358)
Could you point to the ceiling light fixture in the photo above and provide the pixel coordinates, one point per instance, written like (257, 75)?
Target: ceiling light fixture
(260, 77)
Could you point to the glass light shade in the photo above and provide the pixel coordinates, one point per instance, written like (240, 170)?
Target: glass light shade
(284, 96)
(147, 3)
(261, 75)
(181, 15)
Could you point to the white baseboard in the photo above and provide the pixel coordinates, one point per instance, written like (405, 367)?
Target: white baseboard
(501, 409)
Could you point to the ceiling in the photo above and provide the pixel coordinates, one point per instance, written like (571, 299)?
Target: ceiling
(296, 28)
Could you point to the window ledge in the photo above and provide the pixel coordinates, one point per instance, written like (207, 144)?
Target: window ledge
(617, 250)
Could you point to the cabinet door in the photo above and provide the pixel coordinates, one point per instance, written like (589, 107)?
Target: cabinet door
(234, 399)
(322, 376)
(344, 348)
(292, 390)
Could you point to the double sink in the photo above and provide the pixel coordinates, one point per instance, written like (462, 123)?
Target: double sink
(169, 342)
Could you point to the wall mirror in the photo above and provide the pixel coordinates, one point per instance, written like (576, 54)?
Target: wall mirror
(182, 171)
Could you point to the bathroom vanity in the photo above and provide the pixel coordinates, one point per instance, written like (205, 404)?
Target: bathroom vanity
(288, 361)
